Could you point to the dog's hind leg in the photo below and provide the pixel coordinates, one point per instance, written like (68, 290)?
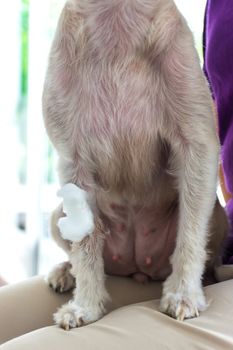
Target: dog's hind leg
(60, 278)
(90, 296)
(182, 292)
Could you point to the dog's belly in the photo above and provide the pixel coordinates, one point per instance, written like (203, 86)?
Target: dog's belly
(140, 242)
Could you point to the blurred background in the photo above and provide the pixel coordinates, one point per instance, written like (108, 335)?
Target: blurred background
(28, 162)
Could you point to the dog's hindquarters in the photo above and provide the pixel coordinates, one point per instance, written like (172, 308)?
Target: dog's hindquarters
(129, 99)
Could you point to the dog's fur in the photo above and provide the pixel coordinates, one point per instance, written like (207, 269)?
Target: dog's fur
(129, 111)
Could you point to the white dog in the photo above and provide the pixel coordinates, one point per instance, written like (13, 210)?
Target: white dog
(129, 111)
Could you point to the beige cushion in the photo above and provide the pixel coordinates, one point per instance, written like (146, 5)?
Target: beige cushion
(138, 326)
(30, 305)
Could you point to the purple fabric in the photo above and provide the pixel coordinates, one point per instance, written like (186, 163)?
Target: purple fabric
(218, 66)
(228, 253)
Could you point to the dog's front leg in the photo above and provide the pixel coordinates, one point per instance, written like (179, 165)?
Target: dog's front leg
(90, 295)
(182, 292)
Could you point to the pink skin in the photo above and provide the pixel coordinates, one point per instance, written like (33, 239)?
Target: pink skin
(140, 243)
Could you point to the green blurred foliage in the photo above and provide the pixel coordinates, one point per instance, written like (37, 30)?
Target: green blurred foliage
(21, 116)
(24, 46)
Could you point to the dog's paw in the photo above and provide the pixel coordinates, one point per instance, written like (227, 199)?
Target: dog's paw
(181, 306)
(60, 278)
(182, 303)
(71, 316)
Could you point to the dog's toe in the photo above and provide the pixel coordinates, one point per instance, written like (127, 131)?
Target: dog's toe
(182, 300)
(182, 307)
(69, 316)
(60, 278)
(72, 315)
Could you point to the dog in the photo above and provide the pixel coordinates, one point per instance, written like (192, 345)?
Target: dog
(129, 111)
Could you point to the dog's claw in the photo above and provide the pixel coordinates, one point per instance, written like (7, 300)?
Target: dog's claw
(181, 316)
(71, 316)
(60, 278)
(182, 308)
(66, 327)
(197, 312)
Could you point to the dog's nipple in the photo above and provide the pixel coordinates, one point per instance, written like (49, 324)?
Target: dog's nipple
(115, 257)
(148, 260)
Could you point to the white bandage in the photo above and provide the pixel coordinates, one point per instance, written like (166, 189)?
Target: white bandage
(79, 221)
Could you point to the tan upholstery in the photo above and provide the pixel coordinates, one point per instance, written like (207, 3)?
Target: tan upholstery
(28, 307)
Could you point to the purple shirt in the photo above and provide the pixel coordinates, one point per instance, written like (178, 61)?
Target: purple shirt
(218, 66)
(219, 59)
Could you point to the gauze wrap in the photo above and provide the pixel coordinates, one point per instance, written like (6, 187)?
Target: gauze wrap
(79, 221)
